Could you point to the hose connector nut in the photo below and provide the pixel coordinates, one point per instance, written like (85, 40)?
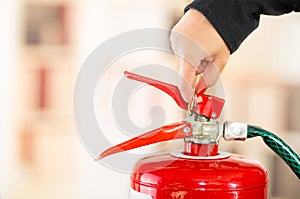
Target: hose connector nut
(235, 131)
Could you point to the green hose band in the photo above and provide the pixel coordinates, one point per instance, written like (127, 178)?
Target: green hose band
(278, 146)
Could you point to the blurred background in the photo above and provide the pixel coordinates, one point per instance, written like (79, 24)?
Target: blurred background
(44, 43)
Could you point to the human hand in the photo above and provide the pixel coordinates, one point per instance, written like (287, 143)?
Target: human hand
(201, 50)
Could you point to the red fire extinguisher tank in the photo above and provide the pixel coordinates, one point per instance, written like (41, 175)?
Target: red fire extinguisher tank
(200, 171)
(169, 177)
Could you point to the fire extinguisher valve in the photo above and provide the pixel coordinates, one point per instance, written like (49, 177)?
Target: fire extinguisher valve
(204, 140)
(205, 130)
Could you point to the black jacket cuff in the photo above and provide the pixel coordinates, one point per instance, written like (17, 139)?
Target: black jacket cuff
(229, 19)
(236, 19)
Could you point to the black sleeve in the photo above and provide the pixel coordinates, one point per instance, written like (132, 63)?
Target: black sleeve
(236, 19)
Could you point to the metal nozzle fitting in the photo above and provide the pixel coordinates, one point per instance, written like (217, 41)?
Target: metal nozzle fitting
(235, 131)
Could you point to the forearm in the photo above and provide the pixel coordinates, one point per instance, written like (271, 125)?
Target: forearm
(236, 19)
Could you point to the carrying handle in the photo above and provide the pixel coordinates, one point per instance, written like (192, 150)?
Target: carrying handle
(177, 130)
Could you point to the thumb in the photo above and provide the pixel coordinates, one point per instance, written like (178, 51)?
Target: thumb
(186, 78)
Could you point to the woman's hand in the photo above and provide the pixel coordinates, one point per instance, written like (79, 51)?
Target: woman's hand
(200, 49)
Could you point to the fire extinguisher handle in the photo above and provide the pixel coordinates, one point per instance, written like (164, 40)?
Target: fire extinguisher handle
(210, 106)
(170, 89)
(177, 130)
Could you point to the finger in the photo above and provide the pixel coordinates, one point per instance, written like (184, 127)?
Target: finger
(200, 87)
(186, 48)
(210, 75)
(186, 78)
(203, 64)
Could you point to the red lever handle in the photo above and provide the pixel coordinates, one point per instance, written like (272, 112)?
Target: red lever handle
(177, 130)
(210, 106)
(170, 89)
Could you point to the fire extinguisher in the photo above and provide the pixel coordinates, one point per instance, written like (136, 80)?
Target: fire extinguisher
(200, 170)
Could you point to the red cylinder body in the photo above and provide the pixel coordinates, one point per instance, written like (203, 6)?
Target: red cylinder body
(168, 177)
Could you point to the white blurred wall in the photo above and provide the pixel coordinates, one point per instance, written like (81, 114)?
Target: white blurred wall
(272, 50)
(9, 26)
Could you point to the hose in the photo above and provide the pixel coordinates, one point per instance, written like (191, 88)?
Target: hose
(278, 146)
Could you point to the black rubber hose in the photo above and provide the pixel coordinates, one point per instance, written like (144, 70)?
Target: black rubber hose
(278, 146)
